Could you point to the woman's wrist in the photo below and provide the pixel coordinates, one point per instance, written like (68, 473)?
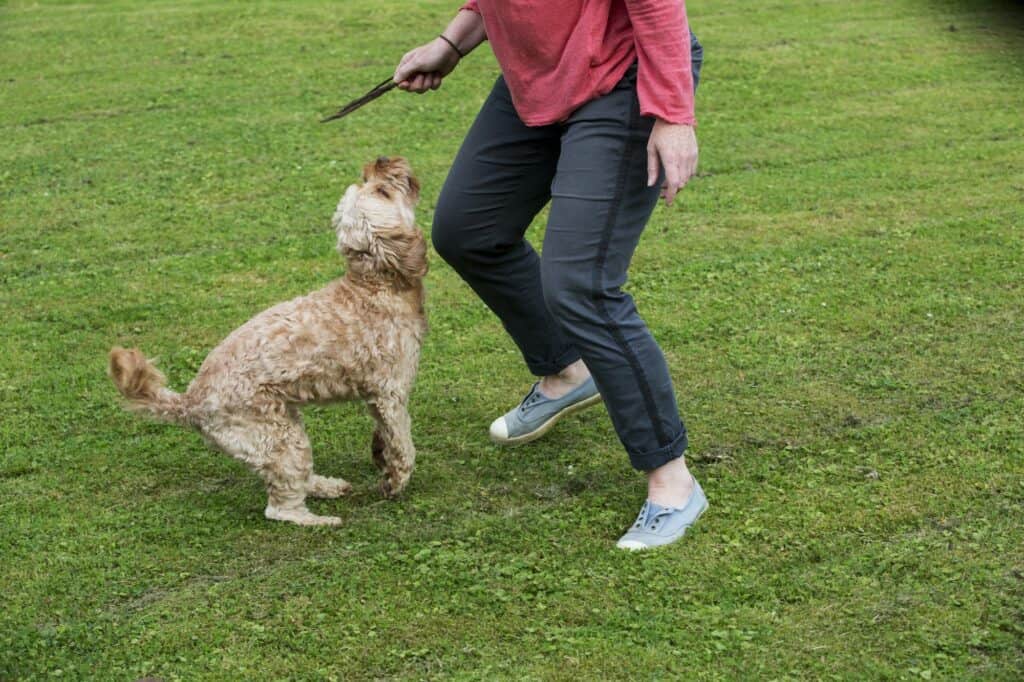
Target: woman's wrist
(451, 44)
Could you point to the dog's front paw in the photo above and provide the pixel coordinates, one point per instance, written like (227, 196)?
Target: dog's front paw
(391, 486)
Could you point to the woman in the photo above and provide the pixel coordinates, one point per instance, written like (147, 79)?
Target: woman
(593, 108)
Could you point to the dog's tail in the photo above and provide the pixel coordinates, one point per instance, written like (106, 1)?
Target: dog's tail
(145, 386)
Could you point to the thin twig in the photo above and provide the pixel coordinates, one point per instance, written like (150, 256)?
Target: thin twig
(373, 94)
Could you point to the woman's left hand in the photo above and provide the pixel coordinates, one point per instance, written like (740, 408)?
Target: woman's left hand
(673, 146)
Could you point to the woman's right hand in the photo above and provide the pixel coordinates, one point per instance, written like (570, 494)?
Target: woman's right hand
(423, 68)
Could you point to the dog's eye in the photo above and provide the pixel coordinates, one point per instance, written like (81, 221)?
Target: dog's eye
(383, 192)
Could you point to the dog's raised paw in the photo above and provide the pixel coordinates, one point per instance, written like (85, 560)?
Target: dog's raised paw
(321, 486)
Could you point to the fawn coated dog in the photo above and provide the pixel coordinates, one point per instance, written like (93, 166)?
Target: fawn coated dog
(357, 338)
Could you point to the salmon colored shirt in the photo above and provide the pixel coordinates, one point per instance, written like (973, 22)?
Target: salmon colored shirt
(557, 55)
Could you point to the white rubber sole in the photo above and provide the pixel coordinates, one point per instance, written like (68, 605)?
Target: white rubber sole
(546, 426)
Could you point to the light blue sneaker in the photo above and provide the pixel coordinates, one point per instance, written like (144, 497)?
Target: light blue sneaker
(657, 525)
(538, 413)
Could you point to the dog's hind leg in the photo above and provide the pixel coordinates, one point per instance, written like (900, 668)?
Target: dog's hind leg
(288, 473)
(279, 451)
(317, 485)
(393, 451)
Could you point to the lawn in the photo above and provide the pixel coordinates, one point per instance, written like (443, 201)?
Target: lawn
(839, 294)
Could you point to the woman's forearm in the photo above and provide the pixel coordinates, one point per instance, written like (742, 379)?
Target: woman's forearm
(466, 30)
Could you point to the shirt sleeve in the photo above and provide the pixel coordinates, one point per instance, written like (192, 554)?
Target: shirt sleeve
(471, 6)
(661, 36)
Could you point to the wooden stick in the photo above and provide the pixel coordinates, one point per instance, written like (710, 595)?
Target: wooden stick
(373, 94)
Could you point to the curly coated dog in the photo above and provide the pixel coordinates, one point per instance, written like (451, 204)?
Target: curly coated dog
(357, 338)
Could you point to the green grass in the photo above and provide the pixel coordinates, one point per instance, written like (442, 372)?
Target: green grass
(839, 294)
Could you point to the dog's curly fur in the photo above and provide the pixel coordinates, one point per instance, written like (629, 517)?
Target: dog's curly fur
(357, 338)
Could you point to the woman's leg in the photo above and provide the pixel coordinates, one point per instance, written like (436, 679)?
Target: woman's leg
(500, 180)
(600, 206)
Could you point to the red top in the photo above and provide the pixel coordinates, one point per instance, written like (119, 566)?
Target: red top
(557, 56)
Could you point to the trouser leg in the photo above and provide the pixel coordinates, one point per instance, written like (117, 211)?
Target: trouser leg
(499, 181)
(600, 205)
(696, 58)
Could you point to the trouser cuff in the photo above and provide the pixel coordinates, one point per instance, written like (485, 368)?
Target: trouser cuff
(550, 367)
(645, 461)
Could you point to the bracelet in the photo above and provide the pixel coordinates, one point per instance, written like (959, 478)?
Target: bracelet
(454, 46)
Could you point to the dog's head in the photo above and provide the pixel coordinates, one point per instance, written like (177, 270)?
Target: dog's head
(375, 221)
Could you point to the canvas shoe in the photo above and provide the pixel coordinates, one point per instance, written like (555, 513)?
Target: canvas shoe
(657, 525)
(537, 413)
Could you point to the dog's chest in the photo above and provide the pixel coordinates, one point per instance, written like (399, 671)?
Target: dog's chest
(397, 341)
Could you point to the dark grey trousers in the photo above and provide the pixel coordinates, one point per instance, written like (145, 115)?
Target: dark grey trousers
(568, 304)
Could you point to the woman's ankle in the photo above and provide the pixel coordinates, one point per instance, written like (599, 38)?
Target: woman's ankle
(576, 373)
(671, 484)
(557, 385)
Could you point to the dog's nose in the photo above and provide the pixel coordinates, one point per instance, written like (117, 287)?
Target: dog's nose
(383, 160)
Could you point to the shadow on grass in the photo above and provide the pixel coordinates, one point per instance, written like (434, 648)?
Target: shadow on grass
(1004, 18)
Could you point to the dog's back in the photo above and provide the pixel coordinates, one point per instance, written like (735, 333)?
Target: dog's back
(341, 342)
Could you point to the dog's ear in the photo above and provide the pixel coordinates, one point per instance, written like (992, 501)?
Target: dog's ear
(412, 262)
(414, 188)
(402, 251)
